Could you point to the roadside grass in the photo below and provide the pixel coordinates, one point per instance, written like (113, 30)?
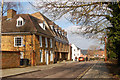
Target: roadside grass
(113, 68)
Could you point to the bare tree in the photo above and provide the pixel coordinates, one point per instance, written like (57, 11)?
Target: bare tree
(91, 15)
(12, 5)
(92, 50)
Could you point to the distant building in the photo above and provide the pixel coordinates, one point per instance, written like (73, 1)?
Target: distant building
(96, 54)
(75, 52)
(84, 53)
(99, 54)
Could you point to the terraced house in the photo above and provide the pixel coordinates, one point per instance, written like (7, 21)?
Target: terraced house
(37, 38)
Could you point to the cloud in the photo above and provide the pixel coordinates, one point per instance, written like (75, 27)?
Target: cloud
(79, 40)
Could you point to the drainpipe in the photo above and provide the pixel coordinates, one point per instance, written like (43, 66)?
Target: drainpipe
(32, 51)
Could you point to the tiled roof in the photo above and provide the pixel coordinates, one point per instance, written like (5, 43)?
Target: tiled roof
(31, 25)
(84, 52)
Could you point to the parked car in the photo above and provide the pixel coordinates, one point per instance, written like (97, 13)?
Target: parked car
(80, 59)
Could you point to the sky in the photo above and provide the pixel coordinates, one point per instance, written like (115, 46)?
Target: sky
(76, 39)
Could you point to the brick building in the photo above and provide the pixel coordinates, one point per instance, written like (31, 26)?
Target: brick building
(34, 37)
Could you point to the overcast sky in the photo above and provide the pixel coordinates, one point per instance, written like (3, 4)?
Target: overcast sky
(76, 39)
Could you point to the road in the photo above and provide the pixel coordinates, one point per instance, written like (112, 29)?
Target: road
(68, 70)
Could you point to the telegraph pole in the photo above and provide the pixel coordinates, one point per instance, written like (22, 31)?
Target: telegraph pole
(1, 15)
(105, 49)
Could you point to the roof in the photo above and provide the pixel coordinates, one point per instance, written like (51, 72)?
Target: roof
(84, 52)
(73, 45)
(31, 25)
(49, 22)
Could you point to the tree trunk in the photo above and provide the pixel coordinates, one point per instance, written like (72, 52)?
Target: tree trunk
(119, 58)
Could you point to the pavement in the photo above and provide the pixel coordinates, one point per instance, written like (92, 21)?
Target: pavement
(17, 71)
(98, 70)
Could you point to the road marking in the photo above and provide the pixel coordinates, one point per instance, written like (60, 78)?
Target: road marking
(81, 75)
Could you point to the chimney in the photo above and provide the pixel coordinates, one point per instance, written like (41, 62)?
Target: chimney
(11, 13)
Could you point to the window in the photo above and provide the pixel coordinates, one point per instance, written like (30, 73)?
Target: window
(46, 44)
(40, 40)
(42, 25)
(62, 33)
(18, 41)
(52, 27)
(41, 56)
(51, 55)
(20, 22)
(56, 29)
(50, 43)
(59, 32)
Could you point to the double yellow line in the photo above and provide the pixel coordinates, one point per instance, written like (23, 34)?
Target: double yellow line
(81, 75)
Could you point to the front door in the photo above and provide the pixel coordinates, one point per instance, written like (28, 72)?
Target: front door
(47, 57)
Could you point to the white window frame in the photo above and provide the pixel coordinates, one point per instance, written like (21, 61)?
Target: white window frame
(56, 29)
(62, 33)
(40, 40)
(50, 43)
(51, 55)
(41, 54)
(20, 19)
(16, 43)
(42, 25)
(52, 27)
(46, 43)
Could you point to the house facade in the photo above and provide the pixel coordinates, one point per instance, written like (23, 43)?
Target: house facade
(32, 35)
(76, 52)
(96, 54)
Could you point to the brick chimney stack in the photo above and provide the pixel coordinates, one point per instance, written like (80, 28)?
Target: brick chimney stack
(11, 13)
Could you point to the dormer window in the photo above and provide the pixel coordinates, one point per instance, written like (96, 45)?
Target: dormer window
(59, 32)
(42, 25)
(20, 22)
(56, 29)
(52, 27)
(62, 33)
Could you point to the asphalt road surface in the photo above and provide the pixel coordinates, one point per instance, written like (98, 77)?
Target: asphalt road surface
(68, 70)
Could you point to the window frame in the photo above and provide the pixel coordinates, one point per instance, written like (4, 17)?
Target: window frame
(52, 27)
(21, 21)
(16, 43)
(40, 41)
(41, 56)
(51, 44)
(46, 43)
(42, 25)
(51, 55)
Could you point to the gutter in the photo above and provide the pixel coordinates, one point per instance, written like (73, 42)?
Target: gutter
(23, 33)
